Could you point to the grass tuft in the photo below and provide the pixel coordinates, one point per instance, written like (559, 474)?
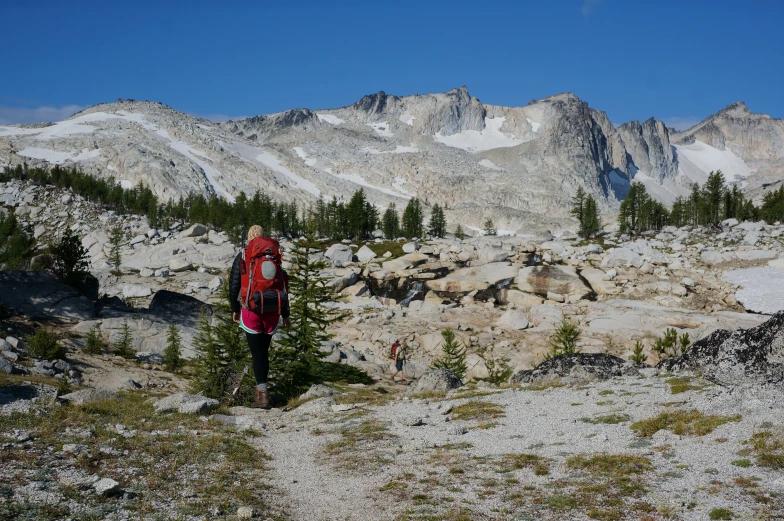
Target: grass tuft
(681, 423)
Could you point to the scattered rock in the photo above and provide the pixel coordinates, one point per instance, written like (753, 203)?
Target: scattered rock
(436, 380)
(106, 487)
(86, 396)
(186, 404)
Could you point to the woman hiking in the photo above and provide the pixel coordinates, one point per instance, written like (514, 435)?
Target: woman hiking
(258, 293)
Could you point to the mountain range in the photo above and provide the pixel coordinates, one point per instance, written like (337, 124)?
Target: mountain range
(519, 166)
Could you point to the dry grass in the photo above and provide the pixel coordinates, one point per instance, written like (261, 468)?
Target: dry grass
(161, 458)
(479, 411)
(682, 423)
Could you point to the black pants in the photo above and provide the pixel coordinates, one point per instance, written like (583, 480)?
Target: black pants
(259, 350)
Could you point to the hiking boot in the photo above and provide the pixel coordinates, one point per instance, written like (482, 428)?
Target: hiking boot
(262, 400)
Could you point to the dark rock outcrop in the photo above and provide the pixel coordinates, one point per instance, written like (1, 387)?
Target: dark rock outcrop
(577, 367)
(39, 295)
(176, 308)
(754, 355)
(436, 380)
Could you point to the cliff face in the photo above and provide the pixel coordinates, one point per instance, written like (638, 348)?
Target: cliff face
(648, 146)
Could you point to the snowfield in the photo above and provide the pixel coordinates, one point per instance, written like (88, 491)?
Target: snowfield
(304, 156)
(362, 182)
(329, 118)
(381, 128)
(698, 159)
(477, 141)
(408, 119)
(762, 288)
(534, 125)
(489, 164)
(58, 158)
(398, 150)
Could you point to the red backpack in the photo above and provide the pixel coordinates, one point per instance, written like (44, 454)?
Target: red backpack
(393, 350)
(264, 286)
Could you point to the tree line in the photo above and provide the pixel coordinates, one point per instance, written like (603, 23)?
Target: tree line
(335, 219)
(706, 205)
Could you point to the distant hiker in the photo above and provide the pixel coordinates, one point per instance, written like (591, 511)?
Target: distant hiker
(398, 352)
(258, 292)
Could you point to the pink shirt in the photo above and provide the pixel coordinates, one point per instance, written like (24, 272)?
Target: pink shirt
(255, 323)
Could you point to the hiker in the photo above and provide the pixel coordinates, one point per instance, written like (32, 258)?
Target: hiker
(258, 293)
(399, 354)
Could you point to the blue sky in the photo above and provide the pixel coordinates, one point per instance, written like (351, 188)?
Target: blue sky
(679, 61)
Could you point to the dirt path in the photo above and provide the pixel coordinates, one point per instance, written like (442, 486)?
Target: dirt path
(313, 490)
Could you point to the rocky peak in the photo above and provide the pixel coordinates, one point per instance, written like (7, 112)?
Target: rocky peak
(372, 104)
(648, 145)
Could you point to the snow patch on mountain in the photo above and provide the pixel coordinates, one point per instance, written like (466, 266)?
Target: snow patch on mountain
(479, 140)
(329, 118)
(125, 183)
(398, 185)
(398, 150)
(381, 128)
(534, 125)
(356, 179)
(489, 164)
(199, 158)
(58, 158)
(664, 194)
(274, 164)
(407, 118)
(304, 156)
(698, 159)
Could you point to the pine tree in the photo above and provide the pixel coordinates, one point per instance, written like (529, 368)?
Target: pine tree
(437, 222)
(172, 355)
(413, 220)
(124, 345)
(671, 345)
(564, 340)
(453, 355)
(638, 354)
(591, 222)
(490, 228)
(294, 362)
(94, 343)
(116, 238)
(459, 233)
(210, 362)
(578, 205)
(391, 223)
(69, 258)
(712, 196)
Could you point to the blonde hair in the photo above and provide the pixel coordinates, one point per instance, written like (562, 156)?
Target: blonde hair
(255, 231)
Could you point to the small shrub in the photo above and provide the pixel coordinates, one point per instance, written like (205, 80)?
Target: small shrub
(43, 343)
(671, 345)
(564, 340)
(172, 355)
(742, 463)
(124, 345)
(638, 356)
(453, 355)
(94, 344)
